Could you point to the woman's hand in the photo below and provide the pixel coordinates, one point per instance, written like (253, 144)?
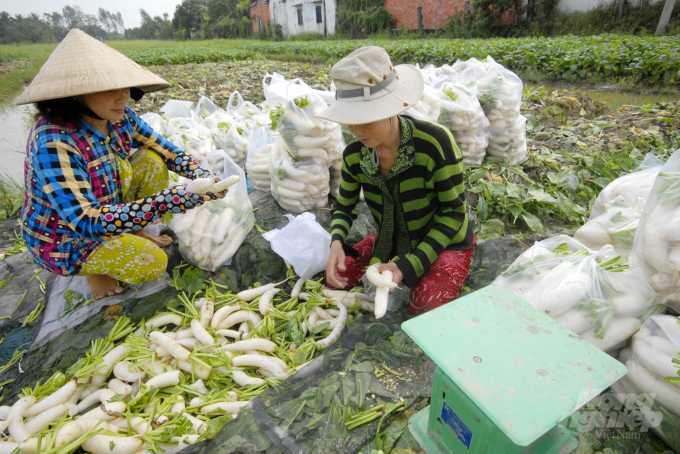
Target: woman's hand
(397, 275)
(336, 261)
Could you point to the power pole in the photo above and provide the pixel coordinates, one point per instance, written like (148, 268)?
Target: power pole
(665, 17)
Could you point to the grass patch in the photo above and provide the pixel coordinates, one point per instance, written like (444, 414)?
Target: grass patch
(12, 83)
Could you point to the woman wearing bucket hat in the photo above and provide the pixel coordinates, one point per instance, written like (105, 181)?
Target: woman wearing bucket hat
(411, 173)
(85, 192)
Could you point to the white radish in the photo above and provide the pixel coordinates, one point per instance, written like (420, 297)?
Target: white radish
(629, 303)
(4, 412)
(58, 397)
(264, 345)
(571, 290)
(251, 294)
(178, 407)
(175, 349)
(379, 279)
(110, 411)
(39, 422)
(226, 183)
(106, 444)
(189, 344)
(241, 378)
(335, 334)
(260, 361)
(196, 401)
(240, 317)
(197, 424)
(298, 287)
(201, 334)
(655, 360)
(200, 185)
(207, 310)
(576, 320)
(7, 447)
(224, 407)
(619, 329)
(265, 300)
(108, 361)
(230, 333)
(661, 282)
(17, 430)
(101, 396)
(199, 386)
(381, 296)
(73, 430)
(164, 380)
(221, 314)
(125, 371)
(163, 320)
(666, 394)
(120, 387)
(198, 370)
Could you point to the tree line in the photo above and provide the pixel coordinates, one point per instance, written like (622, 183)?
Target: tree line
(203, 18)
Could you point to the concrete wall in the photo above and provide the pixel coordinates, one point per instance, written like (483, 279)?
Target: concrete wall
(261, 10)
(285, 13)
(406, 11)
(582, 6)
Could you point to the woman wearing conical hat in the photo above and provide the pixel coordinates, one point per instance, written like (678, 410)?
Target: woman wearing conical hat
(87, 199)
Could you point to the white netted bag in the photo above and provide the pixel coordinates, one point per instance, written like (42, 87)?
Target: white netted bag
(210, 235)
(588, 292)
(652, 377)
(463, 115)
(257, 161)
(297, 186)
(633, 187)
(657, 239)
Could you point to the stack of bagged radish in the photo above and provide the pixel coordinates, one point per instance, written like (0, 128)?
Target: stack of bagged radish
(653, 364)
(210, 234)
(616, 212)
(156, 388)
(657, 239)
(463, 115)
(257, 160)
(428, 107)
(591, 293)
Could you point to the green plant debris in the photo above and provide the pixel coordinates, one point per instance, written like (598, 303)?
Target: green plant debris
(72, 300)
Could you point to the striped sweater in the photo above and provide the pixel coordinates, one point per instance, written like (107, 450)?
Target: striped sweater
(427, 180)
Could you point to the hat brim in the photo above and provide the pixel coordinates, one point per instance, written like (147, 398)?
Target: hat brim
(408, 91)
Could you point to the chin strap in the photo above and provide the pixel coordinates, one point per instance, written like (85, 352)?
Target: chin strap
(82, 109)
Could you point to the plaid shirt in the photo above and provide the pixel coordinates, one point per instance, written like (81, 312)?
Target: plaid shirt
(70, 174)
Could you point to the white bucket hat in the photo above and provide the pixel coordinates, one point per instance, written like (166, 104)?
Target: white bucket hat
(369, 88)
(80, 64)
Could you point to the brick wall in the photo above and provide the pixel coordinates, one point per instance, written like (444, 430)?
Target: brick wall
(259, 9)
(406, 11)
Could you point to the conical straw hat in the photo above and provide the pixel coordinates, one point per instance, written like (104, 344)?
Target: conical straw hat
(81, 64)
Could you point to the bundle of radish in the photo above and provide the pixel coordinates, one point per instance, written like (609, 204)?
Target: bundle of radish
(297, 185)
(383, 283)
(657, 239)
(616, 226)
(633, 188)
(500, 95)
(594, 295)
(230, 135)
(463, 115)
(209, 235)
(428, 107)
(653, 367)
(257, 159)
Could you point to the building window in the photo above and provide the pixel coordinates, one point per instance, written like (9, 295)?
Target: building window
(259, 23)
(319, 16)
(299, 15)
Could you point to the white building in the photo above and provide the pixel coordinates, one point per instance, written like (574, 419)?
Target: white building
(303, 16)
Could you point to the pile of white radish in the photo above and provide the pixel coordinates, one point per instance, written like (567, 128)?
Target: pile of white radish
(650, 363)
(616, 226)
(428, 107)
(155, 388)
(297, 186)
(229, 134)
(592, 294)
(657, 239)
(463, 115)
(191, 136)
(209, 235)
(257, 161)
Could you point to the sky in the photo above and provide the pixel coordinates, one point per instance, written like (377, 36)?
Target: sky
(129, 9)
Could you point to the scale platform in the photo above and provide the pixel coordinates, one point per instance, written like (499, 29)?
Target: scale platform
(507, 376)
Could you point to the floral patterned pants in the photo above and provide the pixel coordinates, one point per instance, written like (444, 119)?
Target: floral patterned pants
(130, 258)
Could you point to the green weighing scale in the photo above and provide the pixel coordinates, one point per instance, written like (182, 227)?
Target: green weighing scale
(508, 379)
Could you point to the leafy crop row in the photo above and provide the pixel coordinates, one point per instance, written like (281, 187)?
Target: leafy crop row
(652, 59)
(183, 55)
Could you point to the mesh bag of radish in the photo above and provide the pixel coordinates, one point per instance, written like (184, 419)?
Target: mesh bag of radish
(210, 234)
(593, 294)
(616, 213)
(652, 386)
(339, 401)
(657, 240)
